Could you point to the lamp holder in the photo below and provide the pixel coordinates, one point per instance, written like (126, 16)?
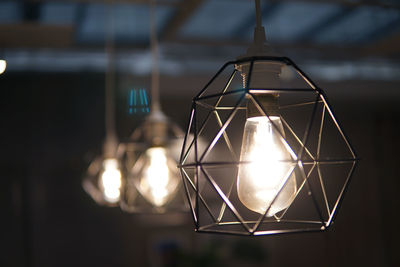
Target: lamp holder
(156, 127)
(263, 73)
(268, 101)
(110, 146)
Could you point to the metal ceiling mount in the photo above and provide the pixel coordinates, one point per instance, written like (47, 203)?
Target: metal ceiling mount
(276, 160)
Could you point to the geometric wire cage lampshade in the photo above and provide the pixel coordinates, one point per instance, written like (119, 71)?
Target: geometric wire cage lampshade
(152, 183)
(104, 179)
(276, 159)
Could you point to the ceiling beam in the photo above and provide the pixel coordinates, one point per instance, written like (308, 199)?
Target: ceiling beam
(348, 3)
(184, 12)
(38, 36)
(34, 35)
(324, 24)
(158, 2)
(304, 49)
(387, 47)
(60, 38)
(387, 30)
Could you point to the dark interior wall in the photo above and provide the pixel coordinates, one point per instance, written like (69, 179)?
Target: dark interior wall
(52, 125)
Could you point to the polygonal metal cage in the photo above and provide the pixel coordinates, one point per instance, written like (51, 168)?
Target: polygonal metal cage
(92, 183)
(317, 170)
(133, 198)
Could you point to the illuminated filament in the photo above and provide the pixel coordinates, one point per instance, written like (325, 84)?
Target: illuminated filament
(158, 180)
(265, 176)
(110, 181)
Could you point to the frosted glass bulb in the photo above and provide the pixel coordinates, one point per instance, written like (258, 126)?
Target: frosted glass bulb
(110, 180)
(266, 168)
(158, 178)
(3, 65)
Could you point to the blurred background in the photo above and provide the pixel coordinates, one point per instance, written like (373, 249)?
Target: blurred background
(52, 124)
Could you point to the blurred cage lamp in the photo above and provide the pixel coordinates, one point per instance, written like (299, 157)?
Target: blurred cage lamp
(103, 180)
(153, 184)
(294, 164)
(3, 65)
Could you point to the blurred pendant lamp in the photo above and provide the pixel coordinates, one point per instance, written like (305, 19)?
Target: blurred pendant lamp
(103, 180)
(153, 183)
(277, 160)
(3, 65)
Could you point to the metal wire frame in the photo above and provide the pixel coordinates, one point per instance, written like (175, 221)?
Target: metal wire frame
(131, 151)
(199, 166)
(90, 181)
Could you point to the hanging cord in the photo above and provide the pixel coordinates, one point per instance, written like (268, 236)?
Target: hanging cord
(111, 136)
(259, 47)
(155, 74)
(259, 31)
(258, 13)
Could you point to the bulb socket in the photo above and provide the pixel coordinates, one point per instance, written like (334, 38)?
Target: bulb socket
(156, 128)
(264, 74)
(156, 132)
(110, 146)
(268, 102)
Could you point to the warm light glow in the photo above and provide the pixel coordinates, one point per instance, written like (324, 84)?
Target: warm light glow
(3, 65)
(158, 178)
(268, 166)
(110, 182)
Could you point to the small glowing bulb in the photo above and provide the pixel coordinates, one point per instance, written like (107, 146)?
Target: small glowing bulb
(110, 180)
(267, 169)
(158, 178)
(3, 65)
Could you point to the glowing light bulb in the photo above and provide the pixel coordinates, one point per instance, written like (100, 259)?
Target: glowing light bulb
(3, 65)
(267, 167)
(158, 178)
(110, 180)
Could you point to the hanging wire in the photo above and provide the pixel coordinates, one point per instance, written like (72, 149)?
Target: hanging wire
(258, 13)
(155, 74)
(111, 136)
(259, 32)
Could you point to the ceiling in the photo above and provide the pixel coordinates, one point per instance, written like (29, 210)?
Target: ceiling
(199, 35)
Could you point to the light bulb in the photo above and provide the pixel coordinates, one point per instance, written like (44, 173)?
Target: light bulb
(158, 178)
(266, 167)
(110, 180)
(3, 65)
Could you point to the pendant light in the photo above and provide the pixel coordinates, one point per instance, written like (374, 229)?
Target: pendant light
(103, 180)
(3, 65)
(277, 160)
(153, 184)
